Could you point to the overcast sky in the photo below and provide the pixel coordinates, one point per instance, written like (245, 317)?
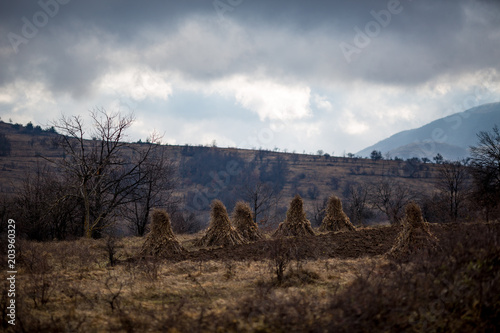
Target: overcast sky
(298, 75)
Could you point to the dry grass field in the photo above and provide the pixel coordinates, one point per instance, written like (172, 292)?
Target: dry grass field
(333, 282)
(414, 277)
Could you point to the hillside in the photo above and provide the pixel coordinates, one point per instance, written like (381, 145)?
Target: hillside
(314, 177)
(450, 136)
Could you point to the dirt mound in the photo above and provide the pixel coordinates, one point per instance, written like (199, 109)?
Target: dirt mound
(296, 222)
(414, 236)
(161, 241)
(363, 242)
(220, 232)
(335, 218)
(244, 223)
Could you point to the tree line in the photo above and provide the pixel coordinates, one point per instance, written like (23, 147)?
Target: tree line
(102, 180)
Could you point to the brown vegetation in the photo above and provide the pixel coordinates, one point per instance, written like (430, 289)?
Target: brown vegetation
(220, 232)
(161, 241)
(414, 236)
(67, 286)
(335, 218)
(244, 223)
(296, 222)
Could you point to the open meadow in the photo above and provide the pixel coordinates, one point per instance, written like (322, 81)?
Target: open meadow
(332, 282)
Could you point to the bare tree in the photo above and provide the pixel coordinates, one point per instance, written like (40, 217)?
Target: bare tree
(105, 171)
(155, 190)
(319, 212)
(357, 199)
(485, 169)
(46, 206)
(390, 198)
(263, 198)
(453, 185)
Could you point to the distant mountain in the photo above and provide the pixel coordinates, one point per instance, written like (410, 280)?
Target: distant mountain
(450, 136)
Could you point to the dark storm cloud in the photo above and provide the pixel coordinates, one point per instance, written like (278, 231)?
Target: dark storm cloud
(282, 39)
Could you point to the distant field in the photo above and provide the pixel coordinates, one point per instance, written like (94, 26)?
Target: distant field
(314, 177)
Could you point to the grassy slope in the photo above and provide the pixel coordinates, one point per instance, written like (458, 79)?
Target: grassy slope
(315, 170)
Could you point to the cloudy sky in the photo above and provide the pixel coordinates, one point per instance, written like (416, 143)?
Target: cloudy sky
(297, 75)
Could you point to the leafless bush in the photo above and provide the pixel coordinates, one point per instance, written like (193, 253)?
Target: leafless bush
(230, 269)
(69, 321)
(114, 289)
(41, 281)
(47, 207)
(281, 253)
(390, 197)
(111, 247)
(185, 222)
(149, 267)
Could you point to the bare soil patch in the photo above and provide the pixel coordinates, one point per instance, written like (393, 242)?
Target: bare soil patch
(364, 242)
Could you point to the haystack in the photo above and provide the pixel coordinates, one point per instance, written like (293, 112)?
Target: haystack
(296, 223)
(244, 223)
(335, 218)
(220, 232)
(414, 236)
(161, 241)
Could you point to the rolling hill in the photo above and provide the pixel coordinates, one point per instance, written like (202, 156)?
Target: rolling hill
(450, 136)
(315, 177)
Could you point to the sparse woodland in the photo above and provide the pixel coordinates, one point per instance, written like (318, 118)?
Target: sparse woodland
(431, 266)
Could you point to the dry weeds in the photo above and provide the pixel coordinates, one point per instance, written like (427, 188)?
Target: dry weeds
(220, 232)
(415, 235)
(335, 218)
(244, 223)
(455, 288)
(296, 222)
(161, 241)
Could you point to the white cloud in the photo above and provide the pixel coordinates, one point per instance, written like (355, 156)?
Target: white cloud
(137, 83)
(29, 101)
(353, 125)
(279, 73)
(322, 103)
(269, 99)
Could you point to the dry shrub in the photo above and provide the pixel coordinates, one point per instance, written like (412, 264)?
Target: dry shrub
(220, 232)
(335, 218)
(296, 223)
(454, 288)
(414, 236)
(41, 281)
(243, 222)
(161, 241)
